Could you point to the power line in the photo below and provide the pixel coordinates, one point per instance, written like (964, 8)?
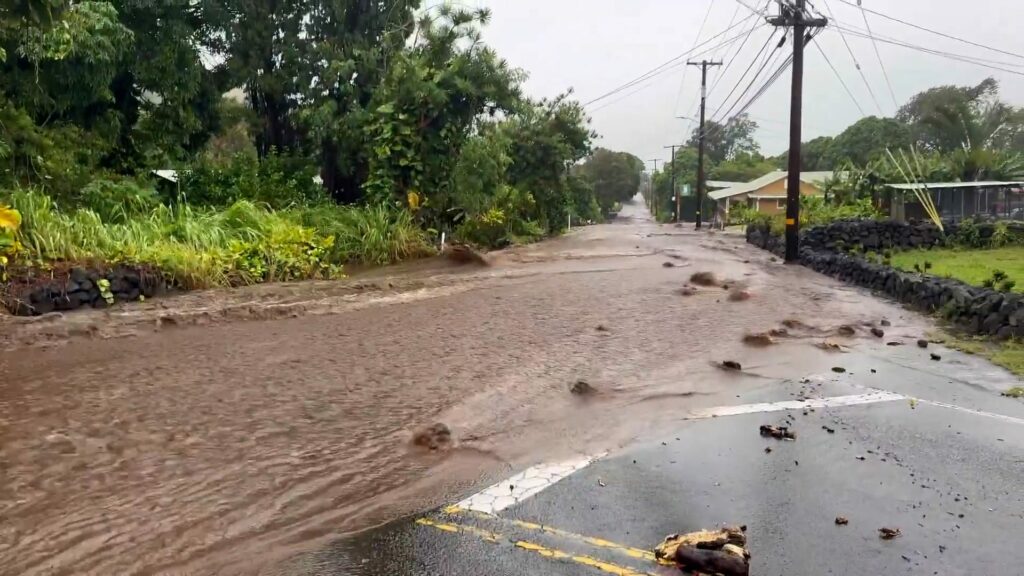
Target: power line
(840, 78)
(949, 55)
(936, 32)
(855, 62)
(728, 65)
(767, 42)
(878, 54)
(696, 39)
(667, 64)
(650, 79)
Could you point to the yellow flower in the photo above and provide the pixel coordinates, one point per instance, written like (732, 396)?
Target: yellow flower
(10, 219)
(414, 200)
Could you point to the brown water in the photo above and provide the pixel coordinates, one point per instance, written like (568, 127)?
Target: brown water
(224, 431)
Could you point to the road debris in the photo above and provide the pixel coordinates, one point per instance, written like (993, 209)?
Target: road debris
(829, 430)
(464, 254)
(829, 346)
(885, 322)
(877, 332)
(838, 369)
(667, 264)
(582, 388)
(601, 328)
(704, 279)
(720, 551)
(922, 343)
(767, 449)
(687, 291)
(794, 324)
(758, 339)
(936, 357)
(779, 332)
(730, 365)
(841, 521)
(433, 437)
(894, 343)
(738, 295)
(889, 533)
(846, 330)
(778, 432)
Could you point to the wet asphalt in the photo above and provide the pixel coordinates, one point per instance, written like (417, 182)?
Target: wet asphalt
(950, 479)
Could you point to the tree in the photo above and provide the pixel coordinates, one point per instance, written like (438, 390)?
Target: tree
(724, 141)
(744, 167)
(614, 176)
(948, 118)
(867, 139)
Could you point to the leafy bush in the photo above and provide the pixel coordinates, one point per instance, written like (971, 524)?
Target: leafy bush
(117, 201)
(366, 234)
(742, 214)
(968, 234)
(278, 181)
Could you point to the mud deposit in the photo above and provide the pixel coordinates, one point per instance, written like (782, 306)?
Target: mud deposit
(223, 432)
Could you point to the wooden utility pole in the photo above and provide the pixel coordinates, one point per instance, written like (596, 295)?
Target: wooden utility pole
(795, 16)
(673, 169)
(700, 134)
(653, 195)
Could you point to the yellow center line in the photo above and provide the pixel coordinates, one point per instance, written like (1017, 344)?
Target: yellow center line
(593, 541)
(544, 551)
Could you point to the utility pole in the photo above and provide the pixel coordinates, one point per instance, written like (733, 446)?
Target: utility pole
(700, 134)
(653, 198)
(673, 174)
(795, 15)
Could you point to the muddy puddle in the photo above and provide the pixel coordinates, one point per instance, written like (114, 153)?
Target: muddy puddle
(227, 444)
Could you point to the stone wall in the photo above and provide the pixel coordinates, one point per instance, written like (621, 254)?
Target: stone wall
(80, 287)
(975, 309)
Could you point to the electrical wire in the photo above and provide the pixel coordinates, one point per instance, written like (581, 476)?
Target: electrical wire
(840, 78)
(757, 57)
(878, 55)
(949, 55)
(936, 32)
(682, 83)
(732, 59)
(668, 64)
(855, 62)
(646, 82)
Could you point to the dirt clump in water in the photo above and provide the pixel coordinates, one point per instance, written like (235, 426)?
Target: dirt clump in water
(846, 330)
(730, 365)
(704, 279)
(687, 291)
(434, 437)
(758, 339)
(464, 254)
(739, 295)
(582, 388)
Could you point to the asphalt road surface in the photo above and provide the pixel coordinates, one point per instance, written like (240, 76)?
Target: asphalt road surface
(268, 430)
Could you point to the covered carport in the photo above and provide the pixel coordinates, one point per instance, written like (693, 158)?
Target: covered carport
(1002, 200)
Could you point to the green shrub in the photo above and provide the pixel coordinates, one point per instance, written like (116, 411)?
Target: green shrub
(367, 234)
(968, 234)
(279, 181)
(117, 201)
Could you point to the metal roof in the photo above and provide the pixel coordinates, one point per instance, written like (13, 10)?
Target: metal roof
(769, 178)
(722, 184)
(941, 185)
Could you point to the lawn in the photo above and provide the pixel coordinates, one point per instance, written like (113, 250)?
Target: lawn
(971, 266)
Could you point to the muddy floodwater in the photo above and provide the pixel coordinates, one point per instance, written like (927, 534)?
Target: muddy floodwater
(224, 432)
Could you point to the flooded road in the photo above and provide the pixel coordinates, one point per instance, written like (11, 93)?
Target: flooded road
(199, 435)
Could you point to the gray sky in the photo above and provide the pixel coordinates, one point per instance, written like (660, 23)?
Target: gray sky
(594, 46)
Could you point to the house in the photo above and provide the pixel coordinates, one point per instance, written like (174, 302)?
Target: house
(767, 193)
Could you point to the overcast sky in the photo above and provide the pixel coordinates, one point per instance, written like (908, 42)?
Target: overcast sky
(595, 46)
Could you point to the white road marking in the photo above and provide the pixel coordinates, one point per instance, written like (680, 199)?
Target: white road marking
(1003, 417)
(853, 400)
(523, 485)
(532, 481)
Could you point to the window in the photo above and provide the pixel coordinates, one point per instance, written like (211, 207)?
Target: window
(780, 204)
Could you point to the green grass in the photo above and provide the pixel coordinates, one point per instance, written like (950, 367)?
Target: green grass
(1008, 354)
(971, 266)
(204, 247)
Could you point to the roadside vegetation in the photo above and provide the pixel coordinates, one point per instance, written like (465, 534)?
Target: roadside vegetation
(386, 126)
(992, 268)
(1008, 354)
(945, 133)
